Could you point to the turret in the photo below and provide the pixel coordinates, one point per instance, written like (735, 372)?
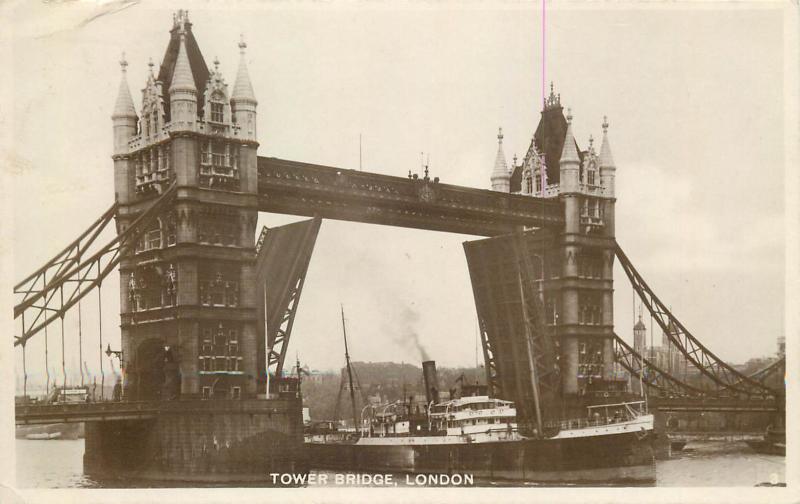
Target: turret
(570, 161)
(607, 168)
(124, 117)
(243, 99)
(639, 335)
(182, 90)
(501, 177)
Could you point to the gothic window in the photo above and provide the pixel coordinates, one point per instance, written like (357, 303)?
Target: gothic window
(590, 177)
(218, 230)
(166, 157)
(590, 311)
(218, 165)
(154, 118)
(590, 358)
(171, 230)
(590, 265)
(219, 351)
(152, 237)
(144, 289)
(538, 182)
(218, 154)
(217, 107)
(219, 287)
(170, 287)
(528, 185)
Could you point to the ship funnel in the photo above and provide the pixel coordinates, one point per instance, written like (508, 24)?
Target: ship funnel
(431, 381)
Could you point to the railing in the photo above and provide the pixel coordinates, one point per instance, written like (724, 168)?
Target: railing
(550, 191)
(592, 189)
(211, 128)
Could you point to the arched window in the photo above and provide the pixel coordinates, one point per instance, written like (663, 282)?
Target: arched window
(145, 122)
(171, 230)
(152, 239)
(144, 289)
(591, 174)
(217, 107)
(528, 184)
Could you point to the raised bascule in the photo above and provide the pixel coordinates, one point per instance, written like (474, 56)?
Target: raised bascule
(207, 309)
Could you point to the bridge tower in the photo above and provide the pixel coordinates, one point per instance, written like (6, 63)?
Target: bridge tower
(188, 307)
(575, 264)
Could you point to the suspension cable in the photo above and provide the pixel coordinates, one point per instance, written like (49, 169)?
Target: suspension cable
(80, 338)
(100, 323)
(24, 375)
(46, 363)
(63, 366)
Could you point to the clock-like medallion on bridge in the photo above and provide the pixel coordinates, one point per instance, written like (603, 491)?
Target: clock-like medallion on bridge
(426, 193)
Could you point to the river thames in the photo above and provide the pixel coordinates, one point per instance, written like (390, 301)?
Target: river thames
(59, 464)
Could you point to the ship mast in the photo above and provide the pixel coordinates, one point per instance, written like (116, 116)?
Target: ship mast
(349, 373)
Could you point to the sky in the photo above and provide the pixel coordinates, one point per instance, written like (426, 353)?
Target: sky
(693, 99)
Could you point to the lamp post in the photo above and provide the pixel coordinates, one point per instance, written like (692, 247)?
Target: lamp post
(116, 353)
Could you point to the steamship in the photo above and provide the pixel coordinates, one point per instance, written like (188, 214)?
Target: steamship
(476, 434)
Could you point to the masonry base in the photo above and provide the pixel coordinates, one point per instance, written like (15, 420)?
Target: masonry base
(211, 441)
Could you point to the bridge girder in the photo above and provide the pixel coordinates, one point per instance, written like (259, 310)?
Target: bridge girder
(296, 188)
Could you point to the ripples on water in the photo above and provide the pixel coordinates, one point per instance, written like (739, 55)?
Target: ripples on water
(59, 464)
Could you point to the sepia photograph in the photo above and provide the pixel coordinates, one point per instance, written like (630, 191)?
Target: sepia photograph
(430, 251)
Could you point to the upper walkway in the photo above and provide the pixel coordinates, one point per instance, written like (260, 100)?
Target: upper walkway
(141, 410)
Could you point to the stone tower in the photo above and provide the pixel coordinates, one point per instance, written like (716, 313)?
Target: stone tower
(575, 264)
(188, 309)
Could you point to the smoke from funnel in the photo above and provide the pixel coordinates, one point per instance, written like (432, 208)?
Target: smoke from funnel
(407, 336)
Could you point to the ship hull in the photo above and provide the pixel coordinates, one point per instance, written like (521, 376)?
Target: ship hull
(623, 457)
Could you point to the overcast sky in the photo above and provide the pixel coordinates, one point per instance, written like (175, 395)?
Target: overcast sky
(693, 98)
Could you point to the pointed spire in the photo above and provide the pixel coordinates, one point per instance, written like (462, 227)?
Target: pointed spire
(500, 175)
(242, 88)
(182, 77)
(500, 166)
(570, 150)
(124, 106)
(606, 160)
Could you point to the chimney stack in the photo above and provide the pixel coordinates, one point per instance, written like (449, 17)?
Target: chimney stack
(431, 381)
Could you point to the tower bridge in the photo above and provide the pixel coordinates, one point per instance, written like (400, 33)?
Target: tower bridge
(207, 310)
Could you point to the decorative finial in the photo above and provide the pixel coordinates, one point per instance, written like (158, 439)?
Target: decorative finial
(123, 63)
(500, 135)
(569, 116)
(242, 44)
(591, 141)
(216, 65)
(605, 124)
(150, 64)
(515, 159)
(180, 19)
(553, 100)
